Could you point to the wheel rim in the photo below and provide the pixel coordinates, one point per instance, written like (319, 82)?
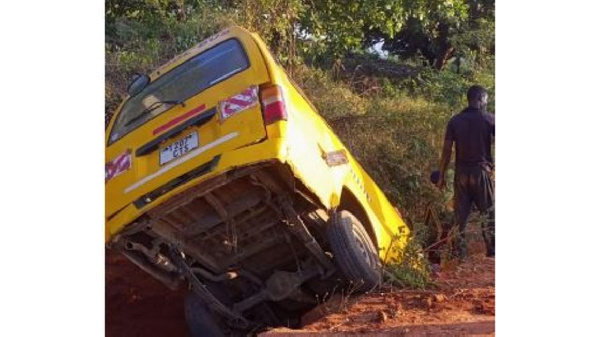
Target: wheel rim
(366, 252)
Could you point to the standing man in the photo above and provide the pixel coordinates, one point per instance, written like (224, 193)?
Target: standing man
(472, 131)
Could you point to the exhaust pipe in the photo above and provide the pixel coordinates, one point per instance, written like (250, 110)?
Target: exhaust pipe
(168, 280)
(153, 255)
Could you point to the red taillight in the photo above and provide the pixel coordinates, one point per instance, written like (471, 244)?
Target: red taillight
(273, 104)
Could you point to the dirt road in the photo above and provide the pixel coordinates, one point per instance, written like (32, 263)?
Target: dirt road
(462, 303)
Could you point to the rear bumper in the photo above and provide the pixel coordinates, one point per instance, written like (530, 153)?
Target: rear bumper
(270, 149)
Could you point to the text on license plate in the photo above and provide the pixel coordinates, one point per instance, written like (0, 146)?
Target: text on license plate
(178, 148)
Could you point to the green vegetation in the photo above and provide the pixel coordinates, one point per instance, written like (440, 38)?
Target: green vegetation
(391, 112)
(411, 268)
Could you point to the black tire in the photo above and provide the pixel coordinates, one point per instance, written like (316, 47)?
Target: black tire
(354, 252)
(201, 321)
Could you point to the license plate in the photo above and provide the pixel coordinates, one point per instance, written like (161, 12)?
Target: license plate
(178, 148)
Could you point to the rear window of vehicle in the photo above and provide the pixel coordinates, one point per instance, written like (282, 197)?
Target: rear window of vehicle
(179, 84)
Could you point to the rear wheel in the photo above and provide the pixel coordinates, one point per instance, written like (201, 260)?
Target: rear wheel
(202, 322)
(354, 252)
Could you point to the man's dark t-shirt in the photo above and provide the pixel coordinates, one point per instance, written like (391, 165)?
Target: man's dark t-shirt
(472, 131)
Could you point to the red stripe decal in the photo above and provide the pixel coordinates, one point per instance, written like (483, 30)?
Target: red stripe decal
(179, 119)
(241, 102)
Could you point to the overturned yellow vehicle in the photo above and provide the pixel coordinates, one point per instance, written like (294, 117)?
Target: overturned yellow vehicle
(220, 173)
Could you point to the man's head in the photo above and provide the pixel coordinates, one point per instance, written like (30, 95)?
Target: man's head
(478, 97)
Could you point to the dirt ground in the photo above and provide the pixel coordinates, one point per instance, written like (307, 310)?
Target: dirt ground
(461, 303)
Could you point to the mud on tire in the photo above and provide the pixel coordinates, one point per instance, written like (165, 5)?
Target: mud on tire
(354, 252)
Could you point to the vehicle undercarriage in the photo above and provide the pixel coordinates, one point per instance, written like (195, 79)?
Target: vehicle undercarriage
(250, 243)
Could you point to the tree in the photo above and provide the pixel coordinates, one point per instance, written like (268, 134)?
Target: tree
(340, 26)
(435, 29)
(441, 29)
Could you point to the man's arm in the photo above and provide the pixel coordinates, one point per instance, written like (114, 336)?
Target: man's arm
(444, 161)
(492, 127)
(446, 154)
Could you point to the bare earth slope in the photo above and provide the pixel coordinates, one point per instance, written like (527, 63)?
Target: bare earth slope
(138, 305)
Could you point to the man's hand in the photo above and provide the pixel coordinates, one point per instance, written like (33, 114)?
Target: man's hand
(441, 184)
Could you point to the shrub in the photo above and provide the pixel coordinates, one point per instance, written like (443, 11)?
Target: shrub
(410, 269)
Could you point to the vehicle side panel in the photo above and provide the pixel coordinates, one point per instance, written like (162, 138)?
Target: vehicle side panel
(309, 139)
